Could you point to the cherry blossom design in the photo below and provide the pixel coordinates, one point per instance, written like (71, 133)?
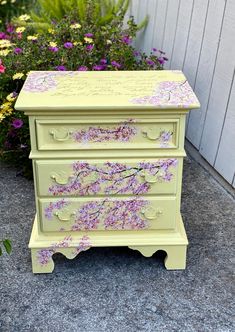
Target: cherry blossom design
(43, 81)
(54, 206)
(123, 133)
(44, 255)
(113, 214)
(113, 178)
(164, 138)
(169, 93)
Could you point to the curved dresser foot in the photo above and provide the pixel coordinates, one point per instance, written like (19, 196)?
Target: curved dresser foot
(175, 258)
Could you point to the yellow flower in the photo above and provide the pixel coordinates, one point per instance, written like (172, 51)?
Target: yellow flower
(18, 76)
(77, 43)
(4, 52)
(13, 1)
(4, 107)
(108, 42)
(4, 43)
(32, 37)
(53, 44)
(52, 31)
(11, 97)
(20, 29)
(75, 26)
(3, 2)
(88, 40)
(24, 17)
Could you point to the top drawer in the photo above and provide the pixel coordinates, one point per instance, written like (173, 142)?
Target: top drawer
(107, 134)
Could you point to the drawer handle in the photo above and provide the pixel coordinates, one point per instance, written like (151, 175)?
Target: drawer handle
(64, 215)
(56, 138)
(152, 213)
(60, 178)
(149, 178)
(151, 133)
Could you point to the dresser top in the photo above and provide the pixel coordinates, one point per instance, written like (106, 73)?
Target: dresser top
(53, 90)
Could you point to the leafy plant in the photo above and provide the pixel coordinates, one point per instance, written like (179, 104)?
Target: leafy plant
(11, 8)
(7, 246)
(68, 44)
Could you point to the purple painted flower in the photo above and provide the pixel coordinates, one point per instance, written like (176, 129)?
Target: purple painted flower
(68, 45)
(126, 39)
(98, 67)
(116, 64)
(150, 62)
(53, 49)
(89, 47)
(18, 50)
(61, 68)
(89, 35)
(17, 123)
(82, 68)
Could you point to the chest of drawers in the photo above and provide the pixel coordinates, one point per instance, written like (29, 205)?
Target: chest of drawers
(107, 151)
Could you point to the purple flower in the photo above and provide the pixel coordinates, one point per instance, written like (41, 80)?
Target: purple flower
(61, 68)
(68, 45)
(162, 60)
(53, 49)
(154, 49)
(3, 35)
(89, 47)
(126, 39)
(103, 61)
(136, 53)
(98, 67)
(10, 28)
(18, 50)
(89, 35)
(150, 62)
(82, 68)
(17, 123)
(116, 64)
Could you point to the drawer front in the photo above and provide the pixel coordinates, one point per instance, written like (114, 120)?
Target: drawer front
(90, 178)
(107, 134)
(132, 213)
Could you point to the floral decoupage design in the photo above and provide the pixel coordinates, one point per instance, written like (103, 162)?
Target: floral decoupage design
(124, 132)
(111, 214)
(44, 255)
(169, 93)
(113, 178)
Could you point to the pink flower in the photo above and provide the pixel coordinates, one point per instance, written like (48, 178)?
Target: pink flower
(68, 45)
(3, 35)
(17, 123)
(2, 68)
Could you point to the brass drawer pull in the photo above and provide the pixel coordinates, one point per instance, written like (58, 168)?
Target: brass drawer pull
(54, 134)
(149, 178)
(152, 213)
(60, 178)
(151, 133)
(65, 215)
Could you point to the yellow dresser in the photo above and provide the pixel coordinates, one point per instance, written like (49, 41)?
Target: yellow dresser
(107, 151)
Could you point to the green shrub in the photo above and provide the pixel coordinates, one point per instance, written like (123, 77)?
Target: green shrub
(67, 45)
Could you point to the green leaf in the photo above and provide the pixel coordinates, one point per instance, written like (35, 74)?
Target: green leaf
(7, 245)
(0, 251)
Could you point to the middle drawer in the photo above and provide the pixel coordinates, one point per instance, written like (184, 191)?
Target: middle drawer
(106, 178)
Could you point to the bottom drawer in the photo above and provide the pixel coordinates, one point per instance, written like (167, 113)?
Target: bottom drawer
(132, 213)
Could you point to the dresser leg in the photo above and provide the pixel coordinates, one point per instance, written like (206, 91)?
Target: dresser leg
(176, 255)
(42, 261)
